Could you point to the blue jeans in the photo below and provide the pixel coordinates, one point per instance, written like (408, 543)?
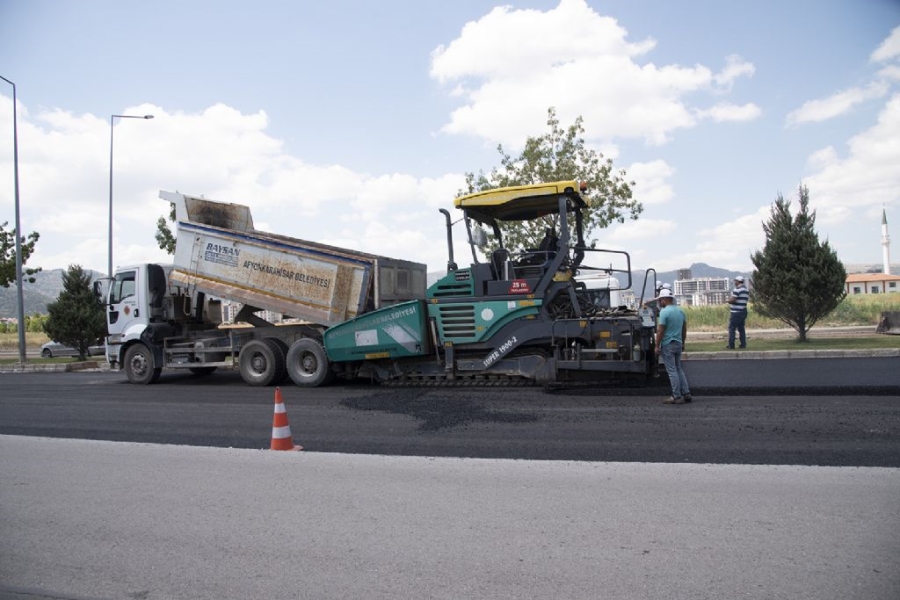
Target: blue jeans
(736, 323)
(671, 357)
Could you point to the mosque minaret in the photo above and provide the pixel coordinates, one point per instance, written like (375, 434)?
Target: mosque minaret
(885, 243)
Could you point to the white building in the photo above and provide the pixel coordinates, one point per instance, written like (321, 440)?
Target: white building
(872, 283)
(703, 291)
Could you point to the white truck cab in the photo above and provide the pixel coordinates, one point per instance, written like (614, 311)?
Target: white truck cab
(603, 289)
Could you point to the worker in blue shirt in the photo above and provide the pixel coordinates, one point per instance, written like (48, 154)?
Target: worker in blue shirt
(670, 335)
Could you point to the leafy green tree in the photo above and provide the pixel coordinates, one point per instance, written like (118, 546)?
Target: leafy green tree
(76, 318)
(164, 236)
(8, 255)
(560, 155)
(797, 279)
(35, 323)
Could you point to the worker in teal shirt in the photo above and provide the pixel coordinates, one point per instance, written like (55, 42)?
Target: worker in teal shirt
(670, 334)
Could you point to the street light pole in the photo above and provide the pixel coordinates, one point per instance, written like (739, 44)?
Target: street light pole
(20, 304)
(111, 129)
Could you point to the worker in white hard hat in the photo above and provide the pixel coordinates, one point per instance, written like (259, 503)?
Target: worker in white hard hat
(671, 332)
(653, 303)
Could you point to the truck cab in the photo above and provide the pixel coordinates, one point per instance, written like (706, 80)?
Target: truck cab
(602, 290)
(143, 308)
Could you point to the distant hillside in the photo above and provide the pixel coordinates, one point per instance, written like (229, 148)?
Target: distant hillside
(871, 268)
(698, 270)
(45, 289)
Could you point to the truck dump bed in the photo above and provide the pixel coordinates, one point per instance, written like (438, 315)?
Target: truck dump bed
(218, 252)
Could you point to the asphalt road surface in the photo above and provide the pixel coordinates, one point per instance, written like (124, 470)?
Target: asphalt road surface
(825, 412)
(780, 481)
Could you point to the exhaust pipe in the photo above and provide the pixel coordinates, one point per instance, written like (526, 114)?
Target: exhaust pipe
(451, 264)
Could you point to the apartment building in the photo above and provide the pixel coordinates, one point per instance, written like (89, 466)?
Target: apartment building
(702, 291)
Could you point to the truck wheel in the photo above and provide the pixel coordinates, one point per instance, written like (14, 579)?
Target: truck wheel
(139, 365)
(261, 362)
(284, 351)
(307, 363)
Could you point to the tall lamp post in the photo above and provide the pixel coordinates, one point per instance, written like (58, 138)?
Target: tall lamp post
(20, 304)
(112, 119)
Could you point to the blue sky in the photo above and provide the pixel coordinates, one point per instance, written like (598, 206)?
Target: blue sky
(352, 123)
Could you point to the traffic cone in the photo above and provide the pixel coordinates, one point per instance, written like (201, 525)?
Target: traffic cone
(281, 430)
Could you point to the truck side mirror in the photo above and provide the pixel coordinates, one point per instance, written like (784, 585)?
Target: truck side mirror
(99, 292)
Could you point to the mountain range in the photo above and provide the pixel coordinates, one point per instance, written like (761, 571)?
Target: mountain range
(35, 296)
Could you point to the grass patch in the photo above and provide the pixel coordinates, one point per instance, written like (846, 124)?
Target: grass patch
(853, 310)
(9, 342)
(822, 343)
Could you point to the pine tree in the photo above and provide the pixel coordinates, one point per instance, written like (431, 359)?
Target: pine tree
(798, 279)
(76, 318)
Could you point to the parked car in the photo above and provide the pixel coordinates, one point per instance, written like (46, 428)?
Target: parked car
(54, 349)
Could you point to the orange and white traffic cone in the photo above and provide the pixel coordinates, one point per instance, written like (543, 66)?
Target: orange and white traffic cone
(281, 430)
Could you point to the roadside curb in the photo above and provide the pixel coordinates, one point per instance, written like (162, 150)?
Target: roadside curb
(30, 367)
(781, 354)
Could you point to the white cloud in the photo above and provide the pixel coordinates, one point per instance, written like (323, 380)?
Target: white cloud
(725, 111)
(726, 246)
(891, 72)
(889, 48)
(219, 153)
(643, 229)
(866, 176)
(508, 71)
(515, 42)
(735, 67)
(815, 111)
(651, 185)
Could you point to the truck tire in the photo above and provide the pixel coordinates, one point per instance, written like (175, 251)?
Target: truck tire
(261, 362)
(284, 352)
(139, 365)
(307, 363)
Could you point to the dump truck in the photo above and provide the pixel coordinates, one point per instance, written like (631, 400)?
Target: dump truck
(515, 316)
(171, 316)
